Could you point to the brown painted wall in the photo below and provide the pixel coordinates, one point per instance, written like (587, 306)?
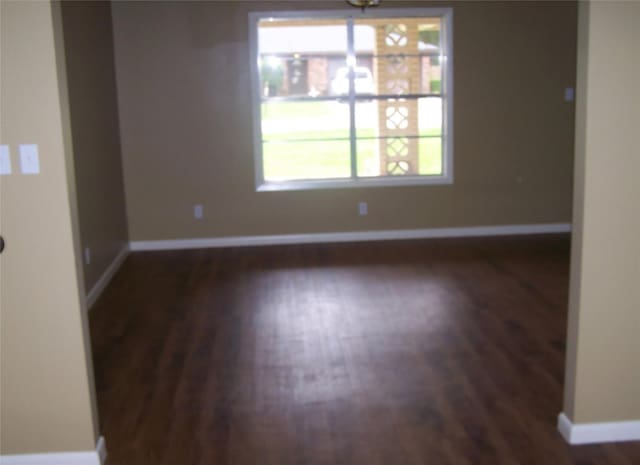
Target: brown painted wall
(186, 125)
(88, 40)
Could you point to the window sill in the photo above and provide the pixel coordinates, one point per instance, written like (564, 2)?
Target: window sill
(316, 184)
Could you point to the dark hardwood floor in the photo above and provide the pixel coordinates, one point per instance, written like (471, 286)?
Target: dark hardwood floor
(397, 353)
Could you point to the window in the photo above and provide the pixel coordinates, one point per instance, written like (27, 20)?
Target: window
(350, 98)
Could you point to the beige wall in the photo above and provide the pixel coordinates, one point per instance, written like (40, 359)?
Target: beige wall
(185, 112)
(603, 360)
(46, 401)
(88, 40)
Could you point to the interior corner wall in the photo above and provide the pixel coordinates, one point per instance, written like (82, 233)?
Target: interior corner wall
(186, 125)
(603, 361)
(88, 41)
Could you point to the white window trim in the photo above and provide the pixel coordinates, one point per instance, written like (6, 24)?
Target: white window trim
(349, 15)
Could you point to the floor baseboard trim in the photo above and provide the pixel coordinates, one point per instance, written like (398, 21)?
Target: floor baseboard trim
(102, 283)
(595, 433)
(101, 449)
(356, 236)
(95, 457)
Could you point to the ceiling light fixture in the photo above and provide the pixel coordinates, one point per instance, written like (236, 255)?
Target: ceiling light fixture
(364, 3)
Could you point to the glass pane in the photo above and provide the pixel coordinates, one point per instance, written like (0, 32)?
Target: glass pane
(306, 137)
(430, 149)
(396, 137)
(431, 75)
(401, 116)
(398, 56)
(294, 120)
(402, 156)
(430, 122)
(368, 157)
(300, 57)
(285, 161)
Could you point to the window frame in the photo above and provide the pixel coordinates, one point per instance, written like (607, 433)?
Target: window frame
(446, 92)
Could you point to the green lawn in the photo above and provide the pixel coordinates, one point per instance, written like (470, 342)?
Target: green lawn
(285, 110)
(292, 151)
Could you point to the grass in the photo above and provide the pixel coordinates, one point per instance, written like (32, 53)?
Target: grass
(287, 110)
(292, 151)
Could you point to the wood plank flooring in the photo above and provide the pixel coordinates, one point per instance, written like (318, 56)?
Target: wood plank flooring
(441, 352)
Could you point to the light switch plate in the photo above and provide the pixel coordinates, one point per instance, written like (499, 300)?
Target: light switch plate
(29, 160)
(5, 160)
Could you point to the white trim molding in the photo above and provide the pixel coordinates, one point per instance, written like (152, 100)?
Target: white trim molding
(95, 457)
(595, 433)
(102, 283)
(348, 17)
(355, 236)
(101, 446)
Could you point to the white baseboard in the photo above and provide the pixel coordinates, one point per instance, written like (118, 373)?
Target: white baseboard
(593, 433)
(356, 236)
(101, 449)
(95, 457)
(106, 277)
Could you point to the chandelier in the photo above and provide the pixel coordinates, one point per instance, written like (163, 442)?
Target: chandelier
(363, 3)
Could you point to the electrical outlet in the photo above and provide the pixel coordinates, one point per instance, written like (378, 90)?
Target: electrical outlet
(198, 212)
(87, 255)
(569, 94)
(362, 209)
